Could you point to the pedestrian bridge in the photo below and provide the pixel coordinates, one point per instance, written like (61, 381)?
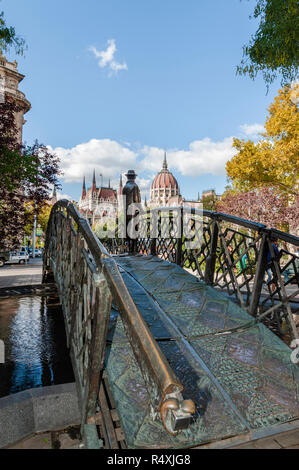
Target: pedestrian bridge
(175, 347)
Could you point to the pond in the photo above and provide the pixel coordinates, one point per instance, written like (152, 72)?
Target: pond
(36, 353)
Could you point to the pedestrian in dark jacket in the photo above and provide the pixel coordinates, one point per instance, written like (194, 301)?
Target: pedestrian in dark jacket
(270, 267)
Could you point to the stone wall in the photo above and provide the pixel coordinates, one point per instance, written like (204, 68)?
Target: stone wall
(37, 410)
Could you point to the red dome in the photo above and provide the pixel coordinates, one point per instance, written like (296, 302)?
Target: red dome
(165, 179)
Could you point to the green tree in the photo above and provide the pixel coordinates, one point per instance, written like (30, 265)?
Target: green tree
(273, 49)
(9, 37)
(43, 215)
(209, 202)
(26, 174)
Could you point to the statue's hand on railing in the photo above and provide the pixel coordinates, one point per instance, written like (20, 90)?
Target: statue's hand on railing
(176, 414)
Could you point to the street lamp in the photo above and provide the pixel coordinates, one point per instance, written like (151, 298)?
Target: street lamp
(34, 232)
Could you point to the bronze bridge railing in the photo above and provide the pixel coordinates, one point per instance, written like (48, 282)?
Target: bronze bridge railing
(88, 280)
(231, 254)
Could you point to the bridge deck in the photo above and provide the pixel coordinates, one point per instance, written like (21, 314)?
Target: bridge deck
(239, 374)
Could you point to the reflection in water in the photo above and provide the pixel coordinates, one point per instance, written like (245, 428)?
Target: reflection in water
(35, 345)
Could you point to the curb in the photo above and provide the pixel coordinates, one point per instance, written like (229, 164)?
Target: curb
(37, 410)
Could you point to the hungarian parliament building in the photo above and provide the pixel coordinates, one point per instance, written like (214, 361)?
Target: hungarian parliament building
(97, 202)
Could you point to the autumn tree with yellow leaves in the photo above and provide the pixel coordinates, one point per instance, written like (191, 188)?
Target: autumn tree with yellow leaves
(274, 160)
(43, 215)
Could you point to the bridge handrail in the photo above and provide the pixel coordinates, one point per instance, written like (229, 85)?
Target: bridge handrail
(257, 226)
(160, 379)
(96, 248)
(227, 257)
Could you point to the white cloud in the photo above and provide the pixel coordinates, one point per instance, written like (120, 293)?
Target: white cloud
(203, 156)
(252, 130)
(63, 196)
(111, 158)
(144, 183)
(106, 156)
(106, 57)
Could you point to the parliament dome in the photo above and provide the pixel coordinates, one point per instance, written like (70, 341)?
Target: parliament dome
(164, 186)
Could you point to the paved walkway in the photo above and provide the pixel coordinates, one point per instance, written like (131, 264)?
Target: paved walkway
(14, 275)
(68, 438)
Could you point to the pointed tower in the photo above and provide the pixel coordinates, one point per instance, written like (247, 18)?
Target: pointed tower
(54, 196)
(94, 185)
(164, 186)
(120, 189)
(83, 195)
(165, 165)
(145, 201)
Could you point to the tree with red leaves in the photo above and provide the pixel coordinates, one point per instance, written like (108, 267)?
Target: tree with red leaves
(265, 205)
(27, 173)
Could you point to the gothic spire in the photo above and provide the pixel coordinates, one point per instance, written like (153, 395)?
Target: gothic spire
(54, 196)
(94, 185)
(83, 189)
(54, 192)
(120, 190)
(165, 165)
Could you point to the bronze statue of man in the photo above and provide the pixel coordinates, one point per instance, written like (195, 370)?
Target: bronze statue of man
(132, 193)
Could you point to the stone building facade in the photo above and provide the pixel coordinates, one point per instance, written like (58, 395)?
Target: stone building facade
(97, 202)
(10, 79)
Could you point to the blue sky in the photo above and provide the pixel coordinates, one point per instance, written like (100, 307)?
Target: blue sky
(114, 83)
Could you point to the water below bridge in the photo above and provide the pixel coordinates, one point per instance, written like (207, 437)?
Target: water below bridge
(36, 354)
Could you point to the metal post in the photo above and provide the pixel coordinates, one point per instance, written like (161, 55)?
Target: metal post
(211, 259)
(34, 232)
(179, 240)
(259, 275)
(132, 193)
(153, 231)
(153, 247)
(282, 291)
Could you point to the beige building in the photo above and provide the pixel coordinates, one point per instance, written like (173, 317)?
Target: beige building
(98, 202)
(165, 188)
(10, 79)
